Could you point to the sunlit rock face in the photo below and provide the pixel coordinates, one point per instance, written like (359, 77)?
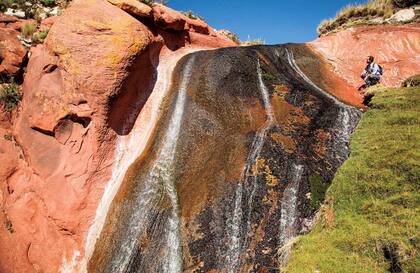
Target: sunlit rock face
(99, 71)
(395, 47)
(247, 141)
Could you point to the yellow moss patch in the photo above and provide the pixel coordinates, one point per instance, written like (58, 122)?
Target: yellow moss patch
(281, 90)
(272, 181)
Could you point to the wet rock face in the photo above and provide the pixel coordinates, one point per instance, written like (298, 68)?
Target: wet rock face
(229, 177)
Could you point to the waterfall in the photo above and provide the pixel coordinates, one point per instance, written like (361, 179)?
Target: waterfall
(159, 180)
(237, 244)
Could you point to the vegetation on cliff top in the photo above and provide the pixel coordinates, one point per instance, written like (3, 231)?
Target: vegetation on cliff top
(363, 14)
(370, 221)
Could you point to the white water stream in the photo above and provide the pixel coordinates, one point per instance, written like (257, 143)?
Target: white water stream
(289, 206)
(160, 180)
(346, 113)
(236, 244)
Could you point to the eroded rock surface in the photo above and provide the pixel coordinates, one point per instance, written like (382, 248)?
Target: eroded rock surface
(84, 88)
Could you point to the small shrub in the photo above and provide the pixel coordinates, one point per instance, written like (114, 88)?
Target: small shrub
(253, 42)
(268, 76)
(28, 30)
(190, 14)
(412, 81)
(10, 96)
(8, 137)
(48, 3)
(230, 35)
(40, 36)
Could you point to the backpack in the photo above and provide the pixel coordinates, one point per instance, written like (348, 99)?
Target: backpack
(381, 70)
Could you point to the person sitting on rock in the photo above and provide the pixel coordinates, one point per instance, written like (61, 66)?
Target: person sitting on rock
(372, 73)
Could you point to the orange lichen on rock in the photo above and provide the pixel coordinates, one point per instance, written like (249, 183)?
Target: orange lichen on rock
(288, 113)
(288, 143)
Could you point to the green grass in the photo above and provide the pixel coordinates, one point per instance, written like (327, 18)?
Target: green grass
(48, 3)
(40, 36)
(361, 14)
(375, 196)
(28, 30)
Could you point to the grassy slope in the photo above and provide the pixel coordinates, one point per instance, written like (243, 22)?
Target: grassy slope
(373, 205)
(361, 14)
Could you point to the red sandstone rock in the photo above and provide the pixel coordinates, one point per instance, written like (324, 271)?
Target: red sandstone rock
(6, 19)
(91, 77)
(12, 53)
(197, 25)
(48, 22)
(396, 48)
(168, 18)
(19, 24)
(133, 7)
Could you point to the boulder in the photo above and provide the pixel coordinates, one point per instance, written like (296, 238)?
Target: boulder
(168, 18)
(48, 23)
(134, 7)
(197, 25)
(403, 16)
(6, 19)
(12, 53)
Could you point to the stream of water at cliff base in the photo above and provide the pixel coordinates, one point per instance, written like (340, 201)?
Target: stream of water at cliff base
(160, 180)
(249, 180)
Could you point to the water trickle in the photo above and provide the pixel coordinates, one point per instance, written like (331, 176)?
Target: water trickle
(347, 115)
(160, 180)
(295, 67)
(236, 232)
(289, 206)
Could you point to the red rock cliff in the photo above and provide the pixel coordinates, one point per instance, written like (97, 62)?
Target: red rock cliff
(396, 48)
(83, 90)
(92, 95)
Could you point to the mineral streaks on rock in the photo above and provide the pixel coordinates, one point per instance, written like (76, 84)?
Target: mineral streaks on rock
(252, 133)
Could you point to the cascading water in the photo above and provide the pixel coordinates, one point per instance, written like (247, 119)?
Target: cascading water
(227, 179)
(289, 211)
(159, 181)
(235, 224)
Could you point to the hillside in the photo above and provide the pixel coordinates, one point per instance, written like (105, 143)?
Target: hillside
(374, 12)
(137, 138)
(370, 221)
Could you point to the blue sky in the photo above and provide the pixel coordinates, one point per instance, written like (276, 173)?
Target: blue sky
(275, 21)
